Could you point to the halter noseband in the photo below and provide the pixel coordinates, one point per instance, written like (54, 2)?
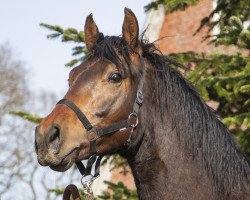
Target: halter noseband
(94, 132)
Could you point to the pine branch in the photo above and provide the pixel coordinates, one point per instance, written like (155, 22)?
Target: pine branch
(170, 5)
(69, 35)
(33, 118)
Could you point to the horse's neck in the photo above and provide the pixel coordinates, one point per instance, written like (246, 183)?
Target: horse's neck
(162, 171)
(162, 166)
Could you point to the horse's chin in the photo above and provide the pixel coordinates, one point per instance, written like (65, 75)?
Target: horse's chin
(62, 167)
(67, 161)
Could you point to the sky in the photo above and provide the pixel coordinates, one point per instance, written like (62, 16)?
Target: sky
(45, 59)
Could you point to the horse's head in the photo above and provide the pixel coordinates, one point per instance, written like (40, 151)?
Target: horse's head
(104, 88)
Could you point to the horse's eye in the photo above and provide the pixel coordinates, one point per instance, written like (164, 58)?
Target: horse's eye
(115, 78)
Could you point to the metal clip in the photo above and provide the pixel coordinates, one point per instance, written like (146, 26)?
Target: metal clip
(130, 136)
(133, 126)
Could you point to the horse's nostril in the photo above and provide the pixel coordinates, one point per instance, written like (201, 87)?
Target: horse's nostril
(54, 137)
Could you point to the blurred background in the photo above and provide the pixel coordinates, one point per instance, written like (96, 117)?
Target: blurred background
(41, 41)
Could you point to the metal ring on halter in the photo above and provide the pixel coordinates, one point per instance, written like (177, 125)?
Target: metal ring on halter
(92, 178)
(136, 118)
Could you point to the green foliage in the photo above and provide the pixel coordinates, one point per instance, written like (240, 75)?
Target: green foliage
(33, 118)
(117, 162)
(234, 34)
(69, 35)
(170, 5)
(59, 192)
(224, 79)
(225, 10)
(115, 192)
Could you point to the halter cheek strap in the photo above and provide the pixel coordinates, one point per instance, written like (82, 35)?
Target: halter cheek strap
(95, 132)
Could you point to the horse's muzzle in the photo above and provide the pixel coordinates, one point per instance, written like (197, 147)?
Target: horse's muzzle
(47, 145)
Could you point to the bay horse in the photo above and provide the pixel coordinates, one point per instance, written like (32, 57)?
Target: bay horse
(176, 147)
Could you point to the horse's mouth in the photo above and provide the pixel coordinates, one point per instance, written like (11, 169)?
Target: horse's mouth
(67, 161)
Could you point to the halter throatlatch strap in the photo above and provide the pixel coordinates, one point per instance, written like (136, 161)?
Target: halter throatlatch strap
(85, 171)
(96, 132)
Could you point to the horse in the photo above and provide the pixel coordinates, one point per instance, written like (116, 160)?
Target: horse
(175, 145)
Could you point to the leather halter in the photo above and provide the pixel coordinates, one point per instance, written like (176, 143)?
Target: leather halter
(94, 132)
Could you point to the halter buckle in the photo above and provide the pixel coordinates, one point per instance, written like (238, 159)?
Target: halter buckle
(92, 134)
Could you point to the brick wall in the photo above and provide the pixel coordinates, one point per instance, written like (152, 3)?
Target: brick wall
(178, 29)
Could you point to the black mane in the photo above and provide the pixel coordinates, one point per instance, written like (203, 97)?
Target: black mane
(204, 133)
(198, 129)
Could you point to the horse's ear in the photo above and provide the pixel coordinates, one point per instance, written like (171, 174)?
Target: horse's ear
(91, 32)
(130, 28)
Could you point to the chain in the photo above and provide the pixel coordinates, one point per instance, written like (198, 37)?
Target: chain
(89, 195)
(88, 190)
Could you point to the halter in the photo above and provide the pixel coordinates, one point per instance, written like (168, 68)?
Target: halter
(95, 132)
